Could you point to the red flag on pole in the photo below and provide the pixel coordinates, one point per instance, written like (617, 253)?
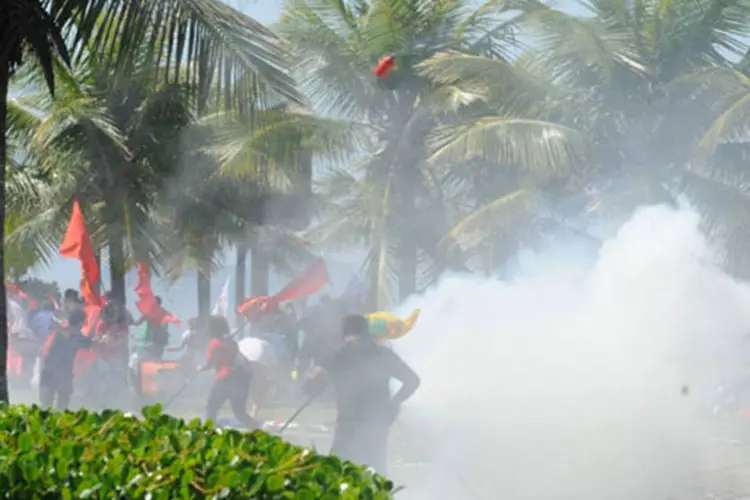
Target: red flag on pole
(77, 245)
(311, 281)
(147, 304)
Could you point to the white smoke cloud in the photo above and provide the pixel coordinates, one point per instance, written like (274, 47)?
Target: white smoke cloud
(566, 383)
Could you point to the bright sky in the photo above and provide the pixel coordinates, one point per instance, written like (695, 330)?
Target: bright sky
(268, 11)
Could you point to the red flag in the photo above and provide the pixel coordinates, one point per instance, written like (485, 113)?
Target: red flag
(311, 281)
(385, 66)
(254, 308)
(77, 245)
(147, 304)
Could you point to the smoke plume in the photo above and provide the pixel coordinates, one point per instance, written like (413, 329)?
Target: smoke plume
(579, 385)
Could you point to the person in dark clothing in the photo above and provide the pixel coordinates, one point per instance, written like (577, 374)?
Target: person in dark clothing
(360, 373)
(56, 378)
(232, 381)
(155, 338)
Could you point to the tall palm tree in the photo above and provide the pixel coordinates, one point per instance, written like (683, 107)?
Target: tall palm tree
(219, 45)
(645, 81)
(390, 196)
(111, 142)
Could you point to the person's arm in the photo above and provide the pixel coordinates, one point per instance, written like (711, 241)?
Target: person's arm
(317, 381)
(404, 374)
(139, 321)
(84, 342)
(210, 357)
(183, 343)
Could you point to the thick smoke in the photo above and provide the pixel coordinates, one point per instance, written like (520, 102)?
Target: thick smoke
(571, 385)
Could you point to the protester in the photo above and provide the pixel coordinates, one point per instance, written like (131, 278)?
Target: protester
(56, 378)
(262, 361)
(113, 349)
(360, 374)
(193, 343)
(40, 320)
(71, 302)
(231, 381)
(155, 338)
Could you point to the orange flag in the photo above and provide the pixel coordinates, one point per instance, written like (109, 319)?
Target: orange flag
(77, 245)
(147, 304)
(310, 282)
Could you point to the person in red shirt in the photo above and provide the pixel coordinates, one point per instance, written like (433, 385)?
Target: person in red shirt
(231, 381)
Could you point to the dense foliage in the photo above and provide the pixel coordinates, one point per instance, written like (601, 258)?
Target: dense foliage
(112, 455)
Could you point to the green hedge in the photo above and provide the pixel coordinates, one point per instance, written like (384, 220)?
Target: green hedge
(46, 455)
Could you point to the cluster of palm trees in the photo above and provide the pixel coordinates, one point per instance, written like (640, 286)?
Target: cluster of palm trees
(184, 126)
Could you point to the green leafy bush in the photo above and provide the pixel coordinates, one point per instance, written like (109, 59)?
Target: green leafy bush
(46, 454)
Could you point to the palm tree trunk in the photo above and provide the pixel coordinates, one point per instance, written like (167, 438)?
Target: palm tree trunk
(4, 78)
(204, 294)
(116, 264)
(407, 273)
(259, 270)
(240, 271)
(98, 284)
(373, 285)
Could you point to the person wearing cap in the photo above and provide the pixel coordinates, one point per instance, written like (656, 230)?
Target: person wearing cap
(58, 358)
(360, 373)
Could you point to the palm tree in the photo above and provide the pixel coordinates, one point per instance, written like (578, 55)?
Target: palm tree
(111, 142)
(393, 200)
(269, 162)
(502, 153)
(645, 82)
(216, 45)
(254, 191)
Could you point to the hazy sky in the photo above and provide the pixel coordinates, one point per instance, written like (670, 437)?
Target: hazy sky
(268, 11)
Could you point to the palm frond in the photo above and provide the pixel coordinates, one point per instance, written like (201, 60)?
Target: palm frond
(528, 145)
(200, 39)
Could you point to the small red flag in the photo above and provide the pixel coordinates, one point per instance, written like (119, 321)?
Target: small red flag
(147, 304)
(385, 66)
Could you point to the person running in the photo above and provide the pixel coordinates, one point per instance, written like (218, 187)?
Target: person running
(56, 377)
(360, 373)
(231, 381)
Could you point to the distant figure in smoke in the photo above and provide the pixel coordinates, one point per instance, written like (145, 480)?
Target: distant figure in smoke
(40, 320)
(71, 302)
(194, 344)
(113, 350)
(56, 379)
(231, 381)
(361, 373)
(155, 338)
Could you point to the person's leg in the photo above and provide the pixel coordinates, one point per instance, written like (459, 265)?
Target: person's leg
(216, 398)
(46, 395)
(261, 386)
(238, 400)
(64, 392)
(375, 446)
